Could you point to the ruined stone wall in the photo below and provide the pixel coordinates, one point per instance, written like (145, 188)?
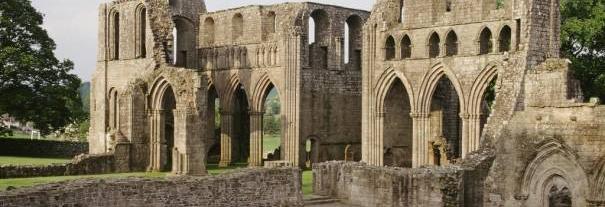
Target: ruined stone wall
(80, 165)
(280, 187)
(331, 86)
(557, 142)
(363, 185)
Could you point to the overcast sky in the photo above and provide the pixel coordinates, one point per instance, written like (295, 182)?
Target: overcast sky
(73, 25)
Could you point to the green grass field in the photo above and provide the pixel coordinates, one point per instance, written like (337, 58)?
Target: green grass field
(270, 143)
(9, 160)
(307, 182)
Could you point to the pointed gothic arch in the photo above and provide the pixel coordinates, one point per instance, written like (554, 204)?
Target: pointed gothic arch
(163, 102)
(451, 44)
(554, 164)
(406, 47)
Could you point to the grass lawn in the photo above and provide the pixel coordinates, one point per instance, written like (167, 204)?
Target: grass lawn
(307, 182)
(9, 160)
(270, 143)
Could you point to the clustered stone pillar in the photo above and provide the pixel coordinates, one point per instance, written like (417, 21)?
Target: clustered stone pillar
(421, 132)
(226, 135)
(256, 139)
(470, 139)
(157, 121)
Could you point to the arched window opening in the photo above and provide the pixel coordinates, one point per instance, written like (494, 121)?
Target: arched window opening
(505, 39)
(401, 11)
(353, 43)
(183, 49)
(485, 42)
(319, 32)
(406, 47)
(237, 26)
(434, 48)
(143, 33)
(240, 142)
(272, 125)
(168, 107)
(116, 36)
(451, 44)
(397, 127)
(311, 30)
(389, 48)
(308, 148)
(209, 31)
(487, 102)
(271, 25)
(448, 5)
(559, 196)
(321, 26)
(113, 109)
(214, 127)
(311, 149)
(445, 124)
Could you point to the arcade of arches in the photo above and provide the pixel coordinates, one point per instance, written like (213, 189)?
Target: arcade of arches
(302, 83)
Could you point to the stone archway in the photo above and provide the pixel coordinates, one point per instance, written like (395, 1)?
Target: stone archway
(481, 94)
(397, 126)
(554, 178)
(214, 126)
(391, 88)
(264, 119)
(163, 104)
(445, 124)
(441, 118)
(240, 140)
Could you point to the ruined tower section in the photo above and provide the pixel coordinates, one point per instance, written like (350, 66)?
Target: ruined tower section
(125, 51)
(330, 93)
(145, 90)
(430, 74)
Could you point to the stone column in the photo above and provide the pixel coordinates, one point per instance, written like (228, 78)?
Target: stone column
(256, 139)
(188, 153)
(226, 133)
(379, 140)
(466, 134)
(421, 132)
(474, 137)
(156, 133)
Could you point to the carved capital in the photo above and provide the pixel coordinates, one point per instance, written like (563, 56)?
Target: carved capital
(521, 196)
(416, 115)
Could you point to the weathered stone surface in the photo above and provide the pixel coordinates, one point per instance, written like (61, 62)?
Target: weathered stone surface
(365, 185)
(250, 187)
(411, 94)
(163, 104)
(80, 165)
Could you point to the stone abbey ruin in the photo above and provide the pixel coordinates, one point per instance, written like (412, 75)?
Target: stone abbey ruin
(425, 102)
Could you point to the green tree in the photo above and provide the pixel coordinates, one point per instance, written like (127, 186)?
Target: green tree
(583, 42)
(34, 85)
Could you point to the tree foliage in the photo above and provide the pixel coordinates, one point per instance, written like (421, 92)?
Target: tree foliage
(583, 42)
(34, 85)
